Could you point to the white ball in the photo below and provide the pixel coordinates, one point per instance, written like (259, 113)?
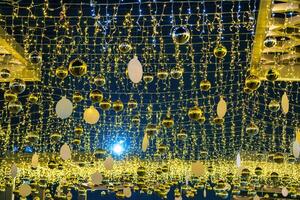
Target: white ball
(64, 108)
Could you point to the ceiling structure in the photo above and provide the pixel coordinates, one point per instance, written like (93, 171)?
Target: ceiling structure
(212, 88)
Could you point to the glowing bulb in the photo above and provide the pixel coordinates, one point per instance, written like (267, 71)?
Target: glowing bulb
(118, 149)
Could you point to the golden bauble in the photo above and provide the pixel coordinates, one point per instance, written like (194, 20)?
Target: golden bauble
(14, 107)
(132, 104)
(181, 35)
(76, 141)
(270, 42)
(148, 78)
(162, 74)
(136, 120)
(35, 57)
(177, 72)
(220, 51)
(52, 164)
(77, 67)
(162, 148)
(33, 98)
(205, 85)
(274, 105)
(252, 129)
(252, 82)
(278, 157)
(17, 86)
(218, 120)
(105, 104)
(141, 171)
(4, 73)
(182, 135)
(195, 113)
(10, 96)
(99, 80)
(272, 74)
(78, 130)
(125, 47)
(168, 122)
(32, 137)
(96, 96)
(55, 137)
(118, 106)
(61, 72)
(247, 90)
(151, 130)
(201, 120)
(100, 153)
(77, 97)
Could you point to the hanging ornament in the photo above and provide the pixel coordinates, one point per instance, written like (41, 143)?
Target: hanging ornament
(91, 115)
(14, 107)
(125, 47)
(270, 42)
(238, 160)
(61, 72)
(55, 137)
(168, 121)
(97, 178)
(195, 113)
(148, 78)
(5, 73)
(220, 51)
(105, 104)
(77, 97)
(100, 153)
(136, 120)
(135, 70)
(162, 74)
(35, 57)
(298, 136)
(65, 152)
(78, 130)
(10, 96)
(109, 163)
(247, 90)
(34, 161)
(32, 137)
(198, 169)
(33, 98)
(285, 103)
(96, 96)
(296, 149)
(182, 135)
(14, 171)
(76, 141)
(145, 143)
(252, 82)
(272, 74)
(274, 105)
(205, 85)
(17, 86)
(177, 72)
(218, 120)
(201, 120)
(127, 192)
(24, 190)
(221, 108)
(132, 104)
(284, 192)
(118, 106)
(64, 108)
(99, 80)
(181, 35)
(77, 67)
(252, 129)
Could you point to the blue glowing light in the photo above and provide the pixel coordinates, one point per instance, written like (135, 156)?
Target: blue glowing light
(118, 148)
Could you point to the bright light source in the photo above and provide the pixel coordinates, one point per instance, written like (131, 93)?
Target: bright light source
(118, 149)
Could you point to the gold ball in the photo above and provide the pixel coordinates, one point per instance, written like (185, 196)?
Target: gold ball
(77, 97)
(55, 137)
(33, 98)
(118, 106)
(205, 85)
(17, 86)
(270, 42)
(77, 67)
(252, 82)
(105, 104)
(177, 72)
(274, 105)
(78, 130)
(151, 130)
(132, 104)
(10, 96)
(168, 122)
(247, 90)
(100, 153)
(14, 107)
(181, 35)
(99, 80)
(76, 141)
(148, 78)
(125, 47)
(61, 72)
(278, 157)
(195, 113)
(201, 120)
(162, 74)
(272, 75)
(141, 171)
(136, 120)
(182, 135)
(220, 51)
(96, 96)
(218, 121)
(162, 148)
(4, 73)
(252, 129)
(32, 137)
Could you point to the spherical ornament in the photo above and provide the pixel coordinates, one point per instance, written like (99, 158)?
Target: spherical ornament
(35, 57)
(162, 148)
(218, 120)
(168, 122)
(270, 42)
(220, 51)
(77, 67)
(252, 82)
(17, 86)
(162, 74)
(4, 73)
(55, 137)
(272, 75)
(182, 135)
(105, 104)
(151, 130)
(52, 164)
(247, 90)
(135, 70)
(205, 85)
(14, 107)
(118, 106)
(201, 120)
(78, 130)
(278, 157)
(252, 129)
(141, 171)
(136, 120)
(76, 141)
(195, 113)
(61, 72)
(125, 47)
(100, 153)
(132, 104)
(96, 96)
(258, 171)
(10, 96)
(177, 72)
(274, 106)
(91, 115)
(148, 78)
(33, 98)
(33, 137)
(99, 80)
(77, 97)
(181, 35)
(64, 108)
